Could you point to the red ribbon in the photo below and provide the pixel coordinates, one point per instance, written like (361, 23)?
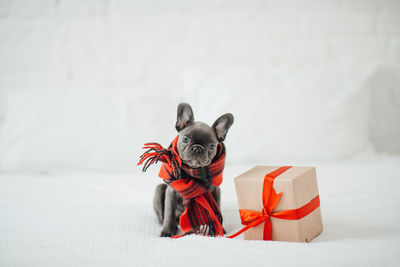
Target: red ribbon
(251, 218)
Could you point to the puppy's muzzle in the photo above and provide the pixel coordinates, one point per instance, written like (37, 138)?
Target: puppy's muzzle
(198, 149)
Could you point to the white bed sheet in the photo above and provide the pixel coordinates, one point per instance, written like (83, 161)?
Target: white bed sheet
(106, 219)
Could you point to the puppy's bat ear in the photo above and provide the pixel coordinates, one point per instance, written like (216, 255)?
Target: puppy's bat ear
(222, 125)
(185, 116)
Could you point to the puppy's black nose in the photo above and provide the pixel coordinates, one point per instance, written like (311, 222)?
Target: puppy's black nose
(198, 149)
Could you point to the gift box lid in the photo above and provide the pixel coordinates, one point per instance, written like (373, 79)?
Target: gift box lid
(298, 184)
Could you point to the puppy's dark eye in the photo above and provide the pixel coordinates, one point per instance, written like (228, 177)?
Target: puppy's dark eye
(185, 139)
(211, 146)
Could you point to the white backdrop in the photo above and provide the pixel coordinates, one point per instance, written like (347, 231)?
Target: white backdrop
(83, 84)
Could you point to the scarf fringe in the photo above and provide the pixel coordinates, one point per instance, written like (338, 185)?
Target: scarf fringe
(155, 152)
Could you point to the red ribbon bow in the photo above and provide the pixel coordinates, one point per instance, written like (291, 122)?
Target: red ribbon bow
(252, 218)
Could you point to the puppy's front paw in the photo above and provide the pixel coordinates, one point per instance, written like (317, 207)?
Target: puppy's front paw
(168, 232)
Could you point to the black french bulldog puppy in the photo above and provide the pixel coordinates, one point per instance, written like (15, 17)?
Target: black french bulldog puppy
(197, 146)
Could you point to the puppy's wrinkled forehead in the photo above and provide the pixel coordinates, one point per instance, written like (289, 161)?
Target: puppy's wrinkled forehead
(199, 133)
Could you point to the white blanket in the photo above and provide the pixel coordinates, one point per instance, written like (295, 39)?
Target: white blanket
(107, 219)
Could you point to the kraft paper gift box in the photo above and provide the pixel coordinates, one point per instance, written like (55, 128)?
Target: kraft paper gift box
(299, 194)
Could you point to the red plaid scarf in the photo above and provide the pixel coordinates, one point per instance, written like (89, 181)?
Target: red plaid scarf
(202, 214)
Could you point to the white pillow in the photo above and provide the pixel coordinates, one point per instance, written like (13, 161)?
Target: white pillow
(283, 115)
(288, 113)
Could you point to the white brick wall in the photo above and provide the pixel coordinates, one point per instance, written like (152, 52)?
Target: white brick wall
(64, 36)
(67, 37)
(161, 47)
